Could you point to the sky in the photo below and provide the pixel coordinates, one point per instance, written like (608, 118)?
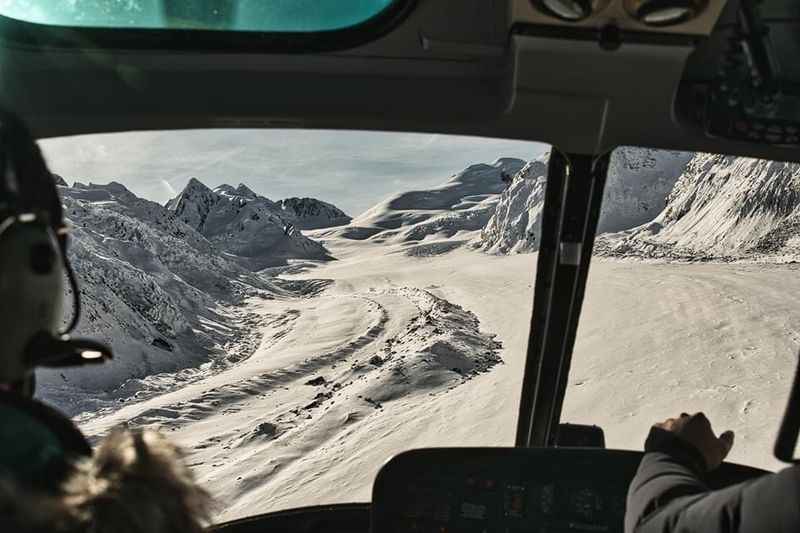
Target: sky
(351, 169)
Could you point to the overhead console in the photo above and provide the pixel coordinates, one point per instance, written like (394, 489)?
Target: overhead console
(744, 82)
(698, 75)
(508, 490)
(670, 17)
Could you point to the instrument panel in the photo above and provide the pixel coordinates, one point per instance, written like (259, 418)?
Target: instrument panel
(489, 505)
(743, 83)
(510, 490)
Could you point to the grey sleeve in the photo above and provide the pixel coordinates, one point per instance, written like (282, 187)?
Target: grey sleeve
(668, 495)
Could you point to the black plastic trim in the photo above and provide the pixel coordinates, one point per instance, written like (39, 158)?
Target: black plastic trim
(585, 226)
(573, 196)
(576, 33)
(313, 519)
(18, 32)
(543, 293)
(786, 443)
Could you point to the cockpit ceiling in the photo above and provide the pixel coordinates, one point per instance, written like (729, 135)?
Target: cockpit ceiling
(502, 69)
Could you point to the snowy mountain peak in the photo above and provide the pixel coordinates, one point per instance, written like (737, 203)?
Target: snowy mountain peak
(310, 213)
(213, 211)
(445, 217)
(194, 191)
(245, 191)
(639, 181)
(242, 223)
(195, 183)
(108, 192)
(508, 163)
(241, 191)
(193, 204)
(113, 187)
(194, 188)
(722, 206)
(501, 166)
(515, 225)
(225, 189)
(535, 168)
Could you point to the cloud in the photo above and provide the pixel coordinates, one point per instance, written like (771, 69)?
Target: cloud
(352, 169)
(169, 189)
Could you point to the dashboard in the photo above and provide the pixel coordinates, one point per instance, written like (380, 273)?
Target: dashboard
(511, 490)
(484, 490)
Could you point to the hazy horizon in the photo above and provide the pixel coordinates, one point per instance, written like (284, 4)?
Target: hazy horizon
(350, 169)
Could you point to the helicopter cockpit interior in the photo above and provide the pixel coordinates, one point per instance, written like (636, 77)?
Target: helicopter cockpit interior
(695, 75)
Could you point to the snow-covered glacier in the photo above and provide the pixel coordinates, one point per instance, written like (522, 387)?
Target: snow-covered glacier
(163, 284)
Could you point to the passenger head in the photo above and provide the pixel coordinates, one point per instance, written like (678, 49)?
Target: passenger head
(136, 482)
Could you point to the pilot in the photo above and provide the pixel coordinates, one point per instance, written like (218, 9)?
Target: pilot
(669, 494)
(50, 479)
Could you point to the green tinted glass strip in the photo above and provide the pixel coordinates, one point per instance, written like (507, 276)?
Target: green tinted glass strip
(227, 15)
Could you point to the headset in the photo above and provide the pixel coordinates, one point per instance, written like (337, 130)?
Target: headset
(33, 267)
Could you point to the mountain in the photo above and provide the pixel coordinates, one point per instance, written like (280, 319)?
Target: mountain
(639, 181)
(667, 204)
(159, 290)
(242, 223)
(310, 213)
(149, 236)
(514, 226)
(721, 207)
(435, 220)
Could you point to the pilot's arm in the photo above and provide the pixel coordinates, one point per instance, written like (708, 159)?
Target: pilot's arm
(669, 495)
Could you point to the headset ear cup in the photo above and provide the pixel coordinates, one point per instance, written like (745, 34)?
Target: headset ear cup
(35, 297)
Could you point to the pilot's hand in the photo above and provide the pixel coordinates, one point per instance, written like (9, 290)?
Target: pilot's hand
(696, 430)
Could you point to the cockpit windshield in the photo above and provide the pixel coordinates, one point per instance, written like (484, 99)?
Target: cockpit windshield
(295, 307)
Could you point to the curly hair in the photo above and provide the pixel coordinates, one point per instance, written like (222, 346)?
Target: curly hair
(137, 481)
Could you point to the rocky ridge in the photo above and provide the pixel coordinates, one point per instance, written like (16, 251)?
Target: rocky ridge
(164, 284)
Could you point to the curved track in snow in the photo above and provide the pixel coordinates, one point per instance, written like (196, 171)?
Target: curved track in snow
(324, 366)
